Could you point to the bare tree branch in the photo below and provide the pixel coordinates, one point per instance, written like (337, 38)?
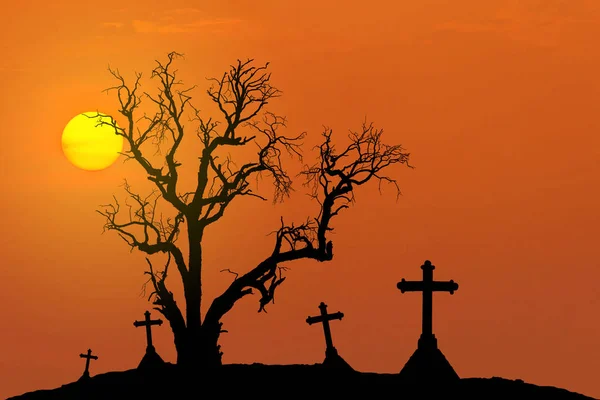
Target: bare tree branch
(240, 95)
(231, 272)
(142, 229)
(163, 298)
(165, 125)
(332, 180)
(335, 175)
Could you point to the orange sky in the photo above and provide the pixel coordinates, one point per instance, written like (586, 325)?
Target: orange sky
(497, 101)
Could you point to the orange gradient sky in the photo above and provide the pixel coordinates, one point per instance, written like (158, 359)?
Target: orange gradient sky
(497, 101)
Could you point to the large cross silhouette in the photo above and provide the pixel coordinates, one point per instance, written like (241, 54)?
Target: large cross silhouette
(427, 286)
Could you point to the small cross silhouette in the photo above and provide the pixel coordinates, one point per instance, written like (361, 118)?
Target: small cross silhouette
(324, 318)
(88, 357)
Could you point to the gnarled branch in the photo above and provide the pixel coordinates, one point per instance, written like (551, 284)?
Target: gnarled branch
(240, 95)
(165, 125)
(229, 182)
(142, 228)
(163, 298)
(332, 180)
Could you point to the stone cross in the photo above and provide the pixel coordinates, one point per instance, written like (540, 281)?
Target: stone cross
(148, 323)
(88, 357)
(325, 318)
(427, 286)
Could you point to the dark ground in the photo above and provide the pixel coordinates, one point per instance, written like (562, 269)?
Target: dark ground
(286, 381)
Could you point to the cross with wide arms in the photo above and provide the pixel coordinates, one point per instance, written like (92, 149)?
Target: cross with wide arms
(325, 318)
(427, 286)
(88, 357)
(148, 324)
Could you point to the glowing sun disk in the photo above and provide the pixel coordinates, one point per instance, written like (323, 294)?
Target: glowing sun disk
(90, 146)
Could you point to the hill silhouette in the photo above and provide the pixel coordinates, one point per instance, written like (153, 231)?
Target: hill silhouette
(426, 374)
(313, 381)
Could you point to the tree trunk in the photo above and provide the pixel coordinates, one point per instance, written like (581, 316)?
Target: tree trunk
(195, 351)
(191, 348)
(209, 345)
(181, 346)
(196, 343)
(198, 351)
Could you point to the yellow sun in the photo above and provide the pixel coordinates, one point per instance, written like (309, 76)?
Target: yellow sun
(88, 146)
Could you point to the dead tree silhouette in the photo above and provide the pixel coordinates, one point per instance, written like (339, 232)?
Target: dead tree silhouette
(240, 96)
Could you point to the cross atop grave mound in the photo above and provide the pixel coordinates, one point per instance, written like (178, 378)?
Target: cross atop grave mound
(332, 358)
(88, 357)
(428, 363)
(151, 359)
